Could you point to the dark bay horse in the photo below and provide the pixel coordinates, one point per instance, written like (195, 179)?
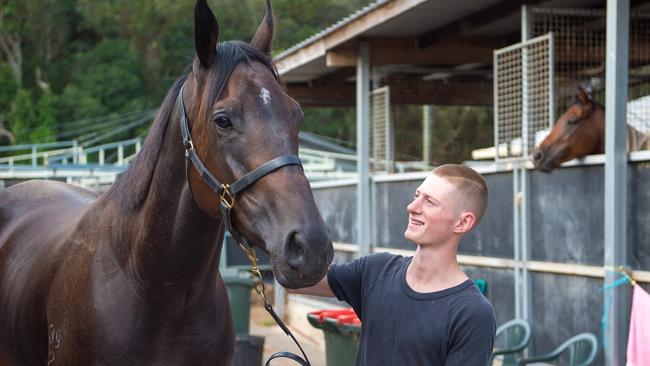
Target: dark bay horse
(131, 277)
(578, 132)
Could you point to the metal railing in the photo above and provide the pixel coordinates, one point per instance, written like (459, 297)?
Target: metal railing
(46, 155)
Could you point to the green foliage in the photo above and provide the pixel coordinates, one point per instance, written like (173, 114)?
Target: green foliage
(450, 140)
(83, 59)
(21, 116)
(106, 80)
(31, 121)
(8, 88)
(42, 128)
(336, 123)
(299, 19)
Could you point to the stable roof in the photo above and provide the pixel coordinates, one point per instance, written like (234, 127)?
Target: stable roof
(428, 37)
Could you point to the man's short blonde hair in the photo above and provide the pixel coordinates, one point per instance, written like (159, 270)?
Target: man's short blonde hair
(470, 184)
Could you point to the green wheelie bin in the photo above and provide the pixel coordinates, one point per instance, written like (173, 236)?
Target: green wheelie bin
(239, 284)
(341, 328)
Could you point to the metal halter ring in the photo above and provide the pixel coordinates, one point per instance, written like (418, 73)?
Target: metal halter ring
(226, 198)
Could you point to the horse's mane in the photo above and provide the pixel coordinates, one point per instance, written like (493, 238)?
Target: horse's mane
(132, 187)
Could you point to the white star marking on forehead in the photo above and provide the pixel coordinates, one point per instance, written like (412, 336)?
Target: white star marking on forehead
(265, 95)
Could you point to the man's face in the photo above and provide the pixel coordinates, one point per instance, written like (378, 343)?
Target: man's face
(433, 214)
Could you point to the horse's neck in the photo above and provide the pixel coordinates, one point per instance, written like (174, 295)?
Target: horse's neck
(167, 238)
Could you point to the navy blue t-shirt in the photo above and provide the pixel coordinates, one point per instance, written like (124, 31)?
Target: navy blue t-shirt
(400, 326)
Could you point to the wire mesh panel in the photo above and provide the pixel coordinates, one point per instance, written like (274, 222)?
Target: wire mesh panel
(579, 40)
(523, 90)
(380, 124)
(461, 117)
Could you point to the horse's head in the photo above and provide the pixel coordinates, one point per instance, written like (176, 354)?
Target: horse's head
(578, 132)
(240, 117)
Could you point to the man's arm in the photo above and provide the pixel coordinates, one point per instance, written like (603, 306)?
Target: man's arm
(322, 288)
(473, 337)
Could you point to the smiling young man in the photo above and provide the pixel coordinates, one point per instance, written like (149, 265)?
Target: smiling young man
(422, 310)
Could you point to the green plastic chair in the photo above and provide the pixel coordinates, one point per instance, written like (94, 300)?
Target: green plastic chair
(482, 285)
(582, 351)
(516, 336)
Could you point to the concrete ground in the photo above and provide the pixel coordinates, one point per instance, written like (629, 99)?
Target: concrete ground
(275, 340)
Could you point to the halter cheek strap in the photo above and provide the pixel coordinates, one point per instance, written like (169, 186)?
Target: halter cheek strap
(227, 194)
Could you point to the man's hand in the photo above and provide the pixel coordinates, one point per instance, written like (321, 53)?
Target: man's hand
(322, 288)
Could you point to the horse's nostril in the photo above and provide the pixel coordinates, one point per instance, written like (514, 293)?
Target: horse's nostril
(537, 155)
(295, 248)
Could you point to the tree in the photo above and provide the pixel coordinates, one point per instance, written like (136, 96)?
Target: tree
(10, 39)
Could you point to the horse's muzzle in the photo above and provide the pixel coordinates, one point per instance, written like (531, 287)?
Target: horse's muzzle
(307, 257)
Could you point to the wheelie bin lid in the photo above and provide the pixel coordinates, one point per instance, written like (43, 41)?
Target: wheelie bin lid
(334, 314)
(334, 318)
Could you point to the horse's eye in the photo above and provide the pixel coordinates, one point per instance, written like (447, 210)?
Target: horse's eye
(573, 121)
(223, 121)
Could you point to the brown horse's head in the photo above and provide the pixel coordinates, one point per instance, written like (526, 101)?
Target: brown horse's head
(578, 132)
(240, 118)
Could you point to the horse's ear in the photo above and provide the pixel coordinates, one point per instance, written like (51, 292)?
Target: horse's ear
(264, 34)
(583, 97)
(206, 33)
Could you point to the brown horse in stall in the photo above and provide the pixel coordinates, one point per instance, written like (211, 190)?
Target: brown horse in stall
(131, 277)
(578, 132)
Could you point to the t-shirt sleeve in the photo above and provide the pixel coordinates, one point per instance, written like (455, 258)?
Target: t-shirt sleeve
(345, 281)
(351, 281)
(472, 336)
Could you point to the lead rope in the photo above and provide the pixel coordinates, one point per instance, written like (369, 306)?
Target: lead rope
(258, 284)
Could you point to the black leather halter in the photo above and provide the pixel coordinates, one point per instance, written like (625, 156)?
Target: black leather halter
(227, 194)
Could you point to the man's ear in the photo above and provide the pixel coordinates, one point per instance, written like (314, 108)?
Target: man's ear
(465, 223)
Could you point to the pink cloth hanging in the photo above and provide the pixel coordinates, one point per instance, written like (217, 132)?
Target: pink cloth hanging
(638, 341)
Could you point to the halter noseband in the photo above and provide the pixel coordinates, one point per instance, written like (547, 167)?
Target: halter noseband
(226, 192)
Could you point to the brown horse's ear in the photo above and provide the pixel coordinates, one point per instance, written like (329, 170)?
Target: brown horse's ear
(206, 33)
(583, 97)
(264, 34)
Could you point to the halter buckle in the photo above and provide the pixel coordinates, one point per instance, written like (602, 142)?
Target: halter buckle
(188, 144)
(226, 198)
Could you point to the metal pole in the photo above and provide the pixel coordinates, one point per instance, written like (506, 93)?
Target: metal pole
(75, 152)
(279, 296)
(551, 82)
(516, 240)
(525, 301)
(363, 149)
(524, 211)
(427, 131)
(120, 154)
(390, 147)
(525, 34)
(616, 79)
(495, 97)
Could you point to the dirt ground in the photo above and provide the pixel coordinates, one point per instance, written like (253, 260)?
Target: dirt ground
(275, 340)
